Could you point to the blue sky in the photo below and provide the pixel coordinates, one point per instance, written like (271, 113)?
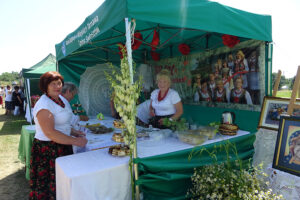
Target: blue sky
(30, 29)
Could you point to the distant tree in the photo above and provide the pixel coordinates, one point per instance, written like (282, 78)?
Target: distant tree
(9, 77)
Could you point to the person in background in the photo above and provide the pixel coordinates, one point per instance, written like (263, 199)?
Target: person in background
(211, 83)
(241, 66)
(197, 87)
(142, 114)
(1, 96)
(238, 94)
(221, 94)
(69, 91)
(204, 93)
(52, 138)
(165, 102)
(8, 100)
(16, 100)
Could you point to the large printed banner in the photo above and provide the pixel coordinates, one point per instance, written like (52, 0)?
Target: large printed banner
(224, 75)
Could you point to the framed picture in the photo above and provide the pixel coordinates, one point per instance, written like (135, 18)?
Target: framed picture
(287, 149)
(271, 110)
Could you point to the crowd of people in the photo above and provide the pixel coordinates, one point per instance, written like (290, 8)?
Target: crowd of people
(12, 99)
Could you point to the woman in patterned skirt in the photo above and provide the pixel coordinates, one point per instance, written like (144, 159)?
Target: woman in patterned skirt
(52, 138)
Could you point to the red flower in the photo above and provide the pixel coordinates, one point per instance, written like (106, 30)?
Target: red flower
(137, 43)
(155, 40)
(155, 56)
(184, 49)
(230, 40)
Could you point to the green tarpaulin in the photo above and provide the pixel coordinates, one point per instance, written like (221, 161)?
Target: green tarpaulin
(34, 73)
(176, 20)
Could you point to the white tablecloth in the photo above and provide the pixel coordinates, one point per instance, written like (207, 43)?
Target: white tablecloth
(98, 175)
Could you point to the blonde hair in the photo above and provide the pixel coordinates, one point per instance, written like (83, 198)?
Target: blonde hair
(240, 53)
(163, 74)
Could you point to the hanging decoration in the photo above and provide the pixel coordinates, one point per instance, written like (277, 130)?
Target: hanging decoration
(120, 47)
(155, 40)
(230, 40)
(155, 56)
(184, 49)
(137, 43)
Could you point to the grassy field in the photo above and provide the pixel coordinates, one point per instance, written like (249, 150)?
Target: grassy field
(284, 93)
(13, 185)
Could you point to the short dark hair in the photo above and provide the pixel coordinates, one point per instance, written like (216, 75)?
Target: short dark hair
(16, 87)
(47, 78)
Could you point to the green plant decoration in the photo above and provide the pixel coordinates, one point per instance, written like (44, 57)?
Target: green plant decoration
(231, 180)
(175, 125)
(125, 98)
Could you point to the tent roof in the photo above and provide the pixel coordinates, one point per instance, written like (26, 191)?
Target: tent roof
(47, 64)
(198, 23)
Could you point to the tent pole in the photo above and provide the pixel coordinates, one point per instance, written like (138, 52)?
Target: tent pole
(129, 56)
(27, 85)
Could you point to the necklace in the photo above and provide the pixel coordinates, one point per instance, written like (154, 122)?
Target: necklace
(59, 102)
(160, 98)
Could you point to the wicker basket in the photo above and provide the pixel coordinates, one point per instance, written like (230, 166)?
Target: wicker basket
(228, 129)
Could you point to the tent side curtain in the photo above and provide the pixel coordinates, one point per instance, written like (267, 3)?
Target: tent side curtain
(105, 27)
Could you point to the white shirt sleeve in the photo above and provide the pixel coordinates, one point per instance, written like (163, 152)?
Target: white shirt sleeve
(248, 98)
(196, 97)
(175, 98)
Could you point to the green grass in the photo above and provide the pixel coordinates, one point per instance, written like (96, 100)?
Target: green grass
(13, 184)
(284, 93)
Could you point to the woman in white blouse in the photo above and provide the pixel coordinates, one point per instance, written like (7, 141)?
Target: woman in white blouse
(165, 102)
(52, 138)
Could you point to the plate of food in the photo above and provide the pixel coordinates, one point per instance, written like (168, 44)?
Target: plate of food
(100, 129)
(119, 150)
(117, 137)
(119, 124)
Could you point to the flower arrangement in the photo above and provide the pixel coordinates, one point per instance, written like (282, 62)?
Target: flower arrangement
(231, 180)
(125, 98)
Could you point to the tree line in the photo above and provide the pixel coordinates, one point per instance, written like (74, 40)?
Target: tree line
(9, 76)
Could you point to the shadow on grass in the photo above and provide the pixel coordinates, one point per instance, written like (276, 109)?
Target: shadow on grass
(14, 186)
(11, 125)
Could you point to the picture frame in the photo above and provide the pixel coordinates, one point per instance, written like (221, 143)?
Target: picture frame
(287, 149)
(271, 110)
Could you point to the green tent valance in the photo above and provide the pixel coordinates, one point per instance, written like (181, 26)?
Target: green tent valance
(199, 23)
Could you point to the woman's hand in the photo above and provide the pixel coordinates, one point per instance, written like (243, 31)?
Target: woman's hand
(152, 113)
(77, 133)
(161, 121)
(80, 141)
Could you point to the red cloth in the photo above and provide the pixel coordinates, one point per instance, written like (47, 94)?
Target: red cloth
(137, 43)
(155, 56)
(155, 40)
(1, 100)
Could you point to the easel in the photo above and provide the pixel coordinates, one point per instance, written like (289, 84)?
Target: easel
(276, 84)
(296, 89)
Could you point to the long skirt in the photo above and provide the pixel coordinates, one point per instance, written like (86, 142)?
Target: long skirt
(42, 168)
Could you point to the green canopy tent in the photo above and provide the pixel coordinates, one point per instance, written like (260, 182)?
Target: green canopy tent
(32, 76)
(198, 23)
